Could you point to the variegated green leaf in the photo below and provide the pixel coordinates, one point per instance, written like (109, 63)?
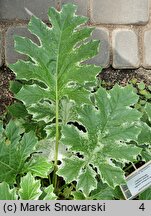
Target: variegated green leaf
(110, 125)
(14, 151)
(111, 174)
(42, 111)
(56, 65)
(121, 152)
(102, 192)
(145, 135)
(29, 188)
(148, 110)
(40, 166)
(87, 181)
(46, 147)
(71, 169)
(66, 111)
(31, 94)
(6, 193)
(49, 193)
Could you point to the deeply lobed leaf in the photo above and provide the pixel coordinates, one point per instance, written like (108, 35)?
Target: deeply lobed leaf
(110, 126)
(55, 62)
(15, 149)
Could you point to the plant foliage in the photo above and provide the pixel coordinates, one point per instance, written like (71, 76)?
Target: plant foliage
(30, 189)
(98, 131)
(110, 126)
(17, 154)
(55, 65)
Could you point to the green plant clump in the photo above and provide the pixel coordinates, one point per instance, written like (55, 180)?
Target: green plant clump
(87, 134)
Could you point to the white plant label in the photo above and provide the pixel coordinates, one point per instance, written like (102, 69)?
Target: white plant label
(137, 182)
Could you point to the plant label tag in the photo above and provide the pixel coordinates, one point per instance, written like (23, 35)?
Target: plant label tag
(137, 182)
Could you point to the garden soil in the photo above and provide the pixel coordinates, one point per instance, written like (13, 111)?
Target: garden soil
(110, 76)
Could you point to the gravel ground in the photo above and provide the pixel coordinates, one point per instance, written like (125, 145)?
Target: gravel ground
(122, 77)
(6, 97)
(110, 75)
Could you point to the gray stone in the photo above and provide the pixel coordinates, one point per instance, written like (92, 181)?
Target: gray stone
(120, 11)
(125, 49)
(147, 49)
(82, 6)
(103, 58)
(1, 48)
(21, 9)
(11, 56)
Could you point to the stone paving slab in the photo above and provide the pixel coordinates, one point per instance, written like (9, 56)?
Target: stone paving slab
(11, 56)
(125, 49)
(103, 58)
(20, 9)
(107, 15)
(120, 11)
(82, 6)
(147, 49)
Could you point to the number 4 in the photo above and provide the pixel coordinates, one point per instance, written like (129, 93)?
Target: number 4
(142, 207)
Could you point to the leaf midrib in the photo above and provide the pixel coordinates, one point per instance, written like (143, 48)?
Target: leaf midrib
(57, 95)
